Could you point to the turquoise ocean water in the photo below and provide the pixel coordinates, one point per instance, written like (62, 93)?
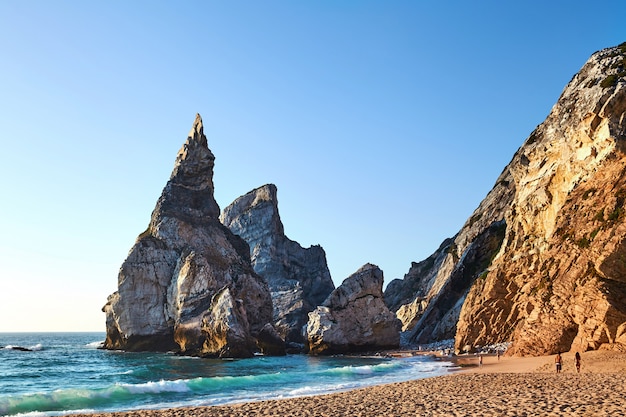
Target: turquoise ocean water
(66, 372)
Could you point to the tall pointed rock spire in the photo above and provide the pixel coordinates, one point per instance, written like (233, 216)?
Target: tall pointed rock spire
(187, 284)
(194, 156)
(189, 192)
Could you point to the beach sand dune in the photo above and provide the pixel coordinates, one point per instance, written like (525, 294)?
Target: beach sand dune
(504, 387)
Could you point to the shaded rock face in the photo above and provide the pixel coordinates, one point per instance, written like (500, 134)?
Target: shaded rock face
(270, 342)
(298, 278)
(410, 296)
(354, 317)
(439, 319)
(187, 283)
(429, 298)
(557, 278)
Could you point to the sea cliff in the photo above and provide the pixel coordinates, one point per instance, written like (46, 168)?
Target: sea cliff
(540, 263)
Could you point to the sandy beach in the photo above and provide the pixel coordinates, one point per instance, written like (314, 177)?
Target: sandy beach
(500, 387)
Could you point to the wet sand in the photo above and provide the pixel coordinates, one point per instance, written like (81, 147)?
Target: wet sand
(504, 387)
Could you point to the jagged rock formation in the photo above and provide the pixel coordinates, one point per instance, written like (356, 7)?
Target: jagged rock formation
(354, 317)
(187, 284)
(543, 254)
(410, 296)
(298, 278)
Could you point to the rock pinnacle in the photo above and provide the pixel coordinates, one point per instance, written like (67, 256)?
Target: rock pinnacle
(189, 192)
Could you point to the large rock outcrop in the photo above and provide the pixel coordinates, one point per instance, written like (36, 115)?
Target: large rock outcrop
(544, 252)
(354, 317)
(187, 283)
(298, 278)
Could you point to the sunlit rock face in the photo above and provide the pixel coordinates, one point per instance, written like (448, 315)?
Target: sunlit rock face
(187, 284)
(298, 278)
(354, 317)
(552, 276)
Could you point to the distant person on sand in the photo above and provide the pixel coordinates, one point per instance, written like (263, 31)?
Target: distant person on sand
(480, 361)
(577, 361)
(557, 361)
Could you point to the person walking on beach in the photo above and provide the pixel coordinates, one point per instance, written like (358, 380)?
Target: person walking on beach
(577, 362)
(557, 361)
(480, 361)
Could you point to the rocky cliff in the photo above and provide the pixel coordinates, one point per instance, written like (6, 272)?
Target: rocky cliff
(541, 263)
(354, 317)
(298, 278)
(187, 283)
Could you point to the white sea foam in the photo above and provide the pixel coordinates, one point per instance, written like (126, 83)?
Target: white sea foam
(41, 414)
(151, 387)
(36, 347)
(83, 411)
(361, 370)
(316, 389)
(128, 372)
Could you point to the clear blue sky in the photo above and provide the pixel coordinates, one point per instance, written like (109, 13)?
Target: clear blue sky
(382, 123)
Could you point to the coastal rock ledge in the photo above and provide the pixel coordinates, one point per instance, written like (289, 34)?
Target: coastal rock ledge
(354, 317)
(187, 284)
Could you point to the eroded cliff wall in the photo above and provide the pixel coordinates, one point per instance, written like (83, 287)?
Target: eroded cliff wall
(557, 279)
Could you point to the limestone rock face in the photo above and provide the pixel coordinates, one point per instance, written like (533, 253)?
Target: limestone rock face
(298, 278)
(548, 273)
(187, 283)
(354, 317)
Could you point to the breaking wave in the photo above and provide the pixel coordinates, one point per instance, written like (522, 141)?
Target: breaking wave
(168, 392)
(33, 348)
(72, 375)
(71, 399)
(95, 345)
